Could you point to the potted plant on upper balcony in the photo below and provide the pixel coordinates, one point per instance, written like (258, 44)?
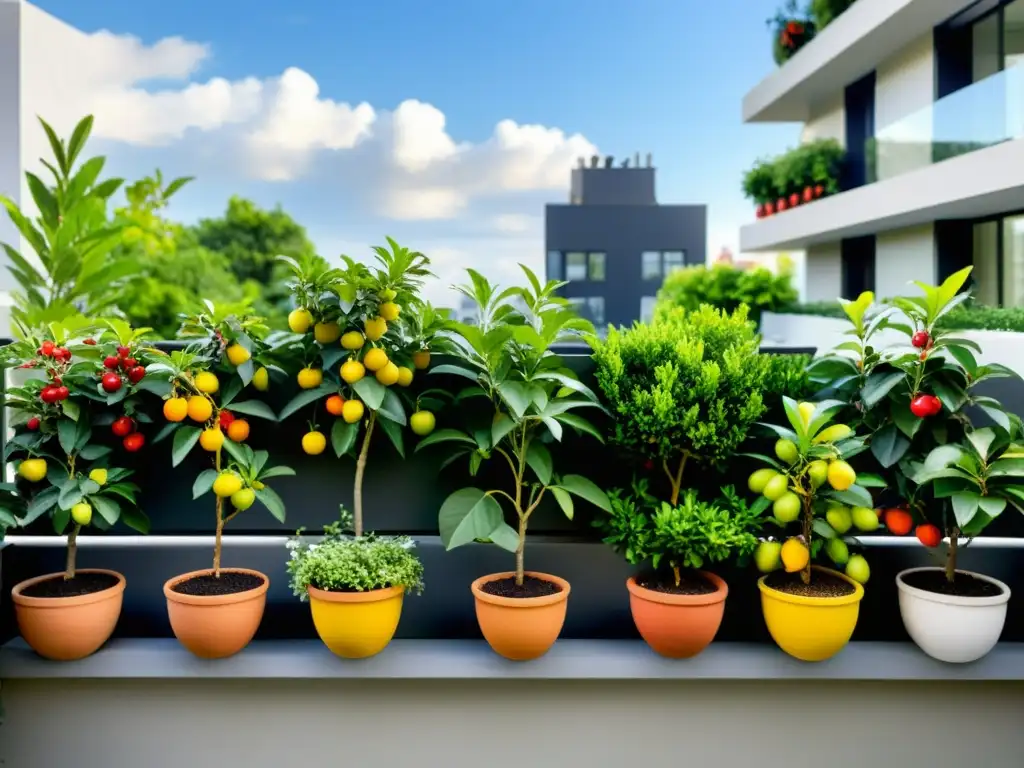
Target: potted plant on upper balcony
(917, 401)
(811, 611)
(214, 612)
(90, 377)
(758, 186)
(531, 397)
(791, 31)
(378, 323)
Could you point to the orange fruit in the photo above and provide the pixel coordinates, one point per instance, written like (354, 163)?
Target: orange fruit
(404, 376)
(175, 409)
(375, 359)
(238, 430)
(335, 404)
(421, 359)
(352, 411)
(211, 439)
(199, 408)
(388, 375)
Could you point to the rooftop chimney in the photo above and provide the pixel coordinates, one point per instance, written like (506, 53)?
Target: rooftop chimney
(594, 160)
(608, 161)
(649, 160)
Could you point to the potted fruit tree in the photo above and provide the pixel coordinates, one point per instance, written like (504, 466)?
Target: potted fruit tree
(917, 400)
(531, 398)
(811, 611)
(215, 612)
(74, 422)
(682, 393)
(791, 30)
(362, 334)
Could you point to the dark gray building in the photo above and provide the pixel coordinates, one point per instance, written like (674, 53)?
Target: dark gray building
(614, 243)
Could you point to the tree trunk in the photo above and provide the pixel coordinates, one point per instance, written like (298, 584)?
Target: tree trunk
(951, 553)
(218, 537)
(521, 553)
(360, 471)
(805, 574)
(72, 555)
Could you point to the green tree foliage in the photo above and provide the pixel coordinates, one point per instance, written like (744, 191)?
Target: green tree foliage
(726, 287)
(688, 386)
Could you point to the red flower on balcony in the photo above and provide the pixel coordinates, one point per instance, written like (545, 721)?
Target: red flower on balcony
(790, 33)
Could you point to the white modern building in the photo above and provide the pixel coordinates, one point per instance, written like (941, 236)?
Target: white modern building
(927, 97)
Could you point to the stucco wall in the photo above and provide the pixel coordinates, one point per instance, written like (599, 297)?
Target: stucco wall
(903, 255)
(828, 121)
(10, 130)
(824, 269)
(904, 88)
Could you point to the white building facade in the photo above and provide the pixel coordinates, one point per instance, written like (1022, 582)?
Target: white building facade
(927, 97)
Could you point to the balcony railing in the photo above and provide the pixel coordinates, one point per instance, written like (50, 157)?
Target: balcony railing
(981, 115)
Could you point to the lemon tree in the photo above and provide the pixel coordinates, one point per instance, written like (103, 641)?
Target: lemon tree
(509, 359)
(360, 336)
(812, 487)
(75, 418)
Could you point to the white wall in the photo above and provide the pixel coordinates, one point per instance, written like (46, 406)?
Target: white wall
(10, 132)
(903, 255)
(828, 121)
(904, 89)
(823, 267)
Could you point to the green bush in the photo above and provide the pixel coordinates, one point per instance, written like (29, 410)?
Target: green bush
(342, 563)
(976, 317)
(787, 377)
(685, 387)
(816, 163)
(824, 12)
(727, 288)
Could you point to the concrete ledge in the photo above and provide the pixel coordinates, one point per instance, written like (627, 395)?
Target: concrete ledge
(156, 659)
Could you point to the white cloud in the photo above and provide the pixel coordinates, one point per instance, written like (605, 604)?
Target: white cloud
(513, 222)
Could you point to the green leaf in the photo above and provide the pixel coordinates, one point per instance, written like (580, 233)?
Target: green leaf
(466, 515)
(580, 424)
(268, 498)
(964, 356)
(93, 452)
(203, 482)
(981, 440)
(992, 505)
(505, 536)
(574, 384)
(108, 509)
(965, 507)
(586, 489)
(445, 435)
(500, 427)
(854, 496)
(564, 501)
(888, 445)
(394, 432)
(167, 429)
(67, 433)
(60, 519)
(878, 386)
(238, 452)
(391, 408)
(371, 392)
(998, 415)
(553, 426)
(795, 419)
(135, 519)
(904, 418)
(70, 493)
(184, 440)
(42, 503)
(539, 459)
(306, 397)
(941, 457)
(71, 409)
(516, 397)
(278, 471)
(822, 528)
(456, 371)
(255, 408)
(343, 436)
(871, 480)
(1007, 468)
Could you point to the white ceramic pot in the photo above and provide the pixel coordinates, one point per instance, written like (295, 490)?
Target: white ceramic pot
(951, 628)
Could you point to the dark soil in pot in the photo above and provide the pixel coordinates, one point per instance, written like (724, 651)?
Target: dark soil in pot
(228, 583)
(964, 585)
(690, 583)
(81, 584)
(531, 587)
(822, 584)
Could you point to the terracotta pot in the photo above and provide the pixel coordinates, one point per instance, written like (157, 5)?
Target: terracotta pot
(68, 628)
(819, 191)
(759, 212)
(215, 626)
(524, 628)
(355, 625)
(808, 194)
(781, 204)
(769, 209)
(677, 626)
(794, 200)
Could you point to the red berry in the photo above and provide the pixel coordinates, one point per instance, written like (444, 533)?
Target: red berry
(123, 351)
(898, 521)
(57, 381)
(924, 406)
(111, 362)
(63, 393)
(111, 382)
(134, 442)
(48, 395)
(33, 423)
(62, 353)
(47, 348)
(920, 339)
(123, 426)
(130, 362)
(90, 341)
(929, 535)
(227, 418)
(935, 405)
(136, 374)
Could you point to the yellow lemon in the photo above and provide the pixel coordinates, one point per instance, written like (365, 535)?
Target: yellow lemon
(375, 328)
(776, 487)
(759, 479)
(314, 443)
(326, 333)
(81, 513)
(352, 371)
(199, 408)
(806, 411)
(206, 382)
(787, 451)
(98, 476)
(389, 311)
(421, 359)
(387, 294)
(310, 378)
(795, 555)
(404, 376)
(817, 471)
(261, 379)
(422, 422)
(175, 409)
(787, 507)
(375, 359)
(32, 470)
(211, 439)
(227, 484)
(352, 411)
(237, 354)
(841, 475)
(353, 340)
(299, 320)
(243, 499)
(388, 375)
(857, 569)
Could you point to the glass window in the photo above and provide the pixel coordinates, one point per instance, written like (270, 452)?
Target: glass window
(985, 59)
(597, 260)
(673, 260)
(647, 308)
(1013, 34)
(595, 305)
(1013, 261)
(986, 263)
(575, 265)
(555, 265)
(650, 265)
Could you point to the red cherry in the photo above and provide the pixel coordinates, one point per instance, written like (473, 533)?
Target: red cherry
(929, 535)
(227, 418)
(130, 362)
(136, 374)
(47, 348)
(920, 339)
(898, 521)
(111, 382)
(923, 406)
(33, 423)
(134, 442)
(90, 341)
(936, 405)
(110, 362)
(48, 395)
(123, 426)
(63, 393)
(123, 351)
(64, 352)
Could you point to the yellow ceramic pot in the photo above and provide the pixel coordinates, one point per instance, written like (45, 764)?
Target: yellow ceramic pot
(811, 628)
(355, 625)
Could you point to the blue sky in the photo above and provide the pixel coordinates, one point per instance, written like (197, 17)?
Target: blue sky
(664, 76)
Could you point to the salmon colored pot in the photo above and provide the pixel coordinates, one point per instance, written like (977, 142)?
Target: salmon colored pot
(523, 628)
(677, 626)
(355, 625)
(68, 628)
(215, 626)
